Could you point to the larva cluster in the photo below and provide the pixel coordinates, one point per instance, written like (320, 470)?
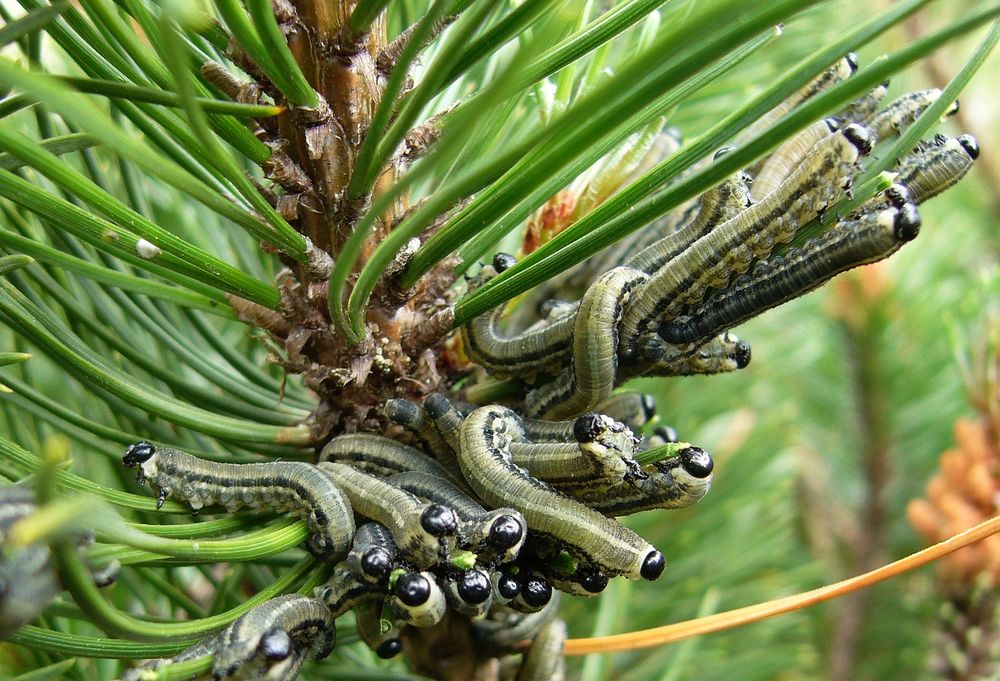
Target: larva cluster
(665, 310)
(528, 509)
(487, 511)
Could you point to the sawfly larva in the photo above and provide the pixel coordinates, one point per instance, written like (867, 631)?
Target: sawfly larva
(590, 376)
(522, 355)
(544, 660)
(849, 243)
(416, 420)
(486, 462)
(379, 456)
(379, 634)
(282, 486)
(274, 639)
(469, 593)
(903, 110)
(498, 533)
(417, 599)
(446, 417)
(721, 354)
(602, 452)
(839, 71)
(787, 157)
(677, 482)
(716, 206)
(730, 248)
(862, 109)
(935, 165)
(418, 527)
(534, 593)
(373, 554)
(345, 591)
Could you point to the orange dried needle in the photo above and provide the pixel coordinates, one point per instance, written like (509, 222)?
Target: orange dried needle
(733, 618)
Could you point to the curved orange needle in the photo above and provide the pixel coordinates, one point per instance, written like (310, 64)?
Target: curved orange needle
(752, 613)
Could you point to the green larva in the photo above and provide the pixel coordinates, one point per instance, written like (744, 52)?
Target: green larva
(848, 244)
(485, 459)
(299, 488)
(419, 528)
(274, 639)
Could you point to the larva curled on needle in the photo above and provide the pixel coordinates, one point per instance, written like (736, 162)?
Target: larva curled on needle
(293, 486)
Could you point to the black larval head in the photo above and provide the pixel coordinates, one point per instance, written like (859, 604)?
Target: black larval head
(439, 520)
(505, 532)
(653, 565)
(138, 454)
(503, 261)
(697, 462)
(587, 427)
(474, 586)
(970, 145)
(412, 589)
(906, 224)
(742, 354)
(861, 137)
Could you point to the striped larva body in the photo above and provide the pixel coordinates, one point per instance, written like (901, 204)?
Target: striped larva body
(417, 599)
(936, 165)
(419, 528)
(839, 71)
(713, 259)
(544, 660)
(446, 417)
(849, 243)
(378, 455)
(345, 591)
(416, 420)
(864, 108)
(657, 357)
(566, 465)
(903, 110)
(486, 462)
(623, 252)
(282, 486)
(677, 482)
(717, 205)
(631, 409)
(590, 377)
(602, 452)
(274, 639)
(373, 554)
(379, 634)
(635, 410)
(522, 355)
(206, 646)
(27, 578)
(499, 533)
(787, 157)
